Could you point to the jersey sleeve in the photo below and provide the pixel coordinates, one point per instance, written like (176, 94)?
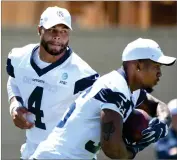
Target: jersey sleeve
(12, 88)
(15, 56)
(86, 77)
(9, 66)
(84, 74)
(114, 100)
(12, 61)
(85, 82)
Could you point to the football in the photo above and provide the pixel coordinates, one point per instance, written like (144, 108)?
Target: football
(135, 124)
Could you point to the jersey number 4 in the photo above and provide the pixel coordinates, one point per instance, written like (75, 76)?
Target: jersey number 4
(35, 98)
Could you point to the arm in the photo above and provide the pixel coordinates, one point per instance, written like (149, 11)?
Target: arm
(12, 88)
(155, 107)
(15, 99)
(16, 105)
(115, 108)
(158, 125)
(112, 143)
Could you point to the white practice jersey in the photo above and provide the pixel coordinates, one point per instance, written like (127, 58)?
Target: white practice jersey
(49, 91)
(77, 135)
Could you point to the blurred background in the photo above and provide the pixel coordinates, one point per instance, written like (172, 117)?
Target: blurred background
(101, 30)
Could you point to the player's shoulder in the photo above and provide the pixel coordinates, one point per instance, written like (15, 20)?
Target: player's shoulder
(116, 82)
(83, 74)
(20, 52)
(80, 65)
(112, 90)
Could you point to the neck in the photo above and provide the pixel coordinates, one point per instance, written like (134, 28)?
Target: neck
(131, 80)
(46, 57)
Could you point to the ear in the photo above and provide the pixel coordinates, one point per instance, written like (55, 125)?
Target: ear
(139, 65)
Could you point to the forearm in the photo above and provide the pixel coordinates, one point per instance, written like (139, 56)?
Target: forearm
(15, 102)
(155, 107)
(15, 99)
(120, 152)
(12, 89)
(112, 143)
(163, 113)
(124, 153)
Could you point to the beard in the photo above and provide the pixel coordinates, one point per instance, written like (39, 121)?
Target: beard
(52, 51)
(149, 89)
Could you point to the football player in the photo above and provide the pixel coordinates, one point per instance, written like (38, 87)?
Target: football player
(45, 78)
(96, 118)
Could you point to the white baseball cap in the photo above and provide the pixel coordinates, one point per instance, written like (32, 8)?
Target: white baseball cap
(53, 16)
(172, 105)
(146, 49)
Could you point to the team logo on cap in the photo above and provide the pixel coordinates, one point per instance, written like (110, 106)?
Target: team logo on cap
(45, 19)
(60, 14)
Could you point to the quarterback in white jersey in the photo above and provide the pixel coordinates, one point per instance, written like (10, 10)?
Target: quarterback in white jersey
(110, 101)
(43, 85)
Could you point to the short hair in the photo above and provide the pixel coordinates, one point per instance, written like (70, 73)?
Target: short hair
(145, 61)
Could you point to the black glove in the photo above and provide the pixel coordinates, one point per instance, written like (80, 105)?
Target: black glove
(153, 133)
(156, 130)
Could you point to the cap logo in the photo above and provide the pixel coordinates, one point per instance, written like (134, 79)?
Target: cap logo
(60, 14)
(45, 19)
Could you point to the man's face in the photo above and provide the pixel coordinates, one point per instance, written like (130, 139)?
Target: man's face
(149, 74)
(55, 40)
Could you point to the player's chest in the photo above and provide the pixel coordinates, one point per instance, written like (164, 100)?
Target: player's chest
(56, 84)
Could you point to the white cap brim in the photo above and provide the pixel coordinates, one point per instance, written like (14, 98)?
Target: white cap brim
(165, 60)
(50, 24)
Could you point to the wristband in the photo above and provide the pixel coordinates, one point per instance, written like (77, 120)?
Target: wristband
(14, 105)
